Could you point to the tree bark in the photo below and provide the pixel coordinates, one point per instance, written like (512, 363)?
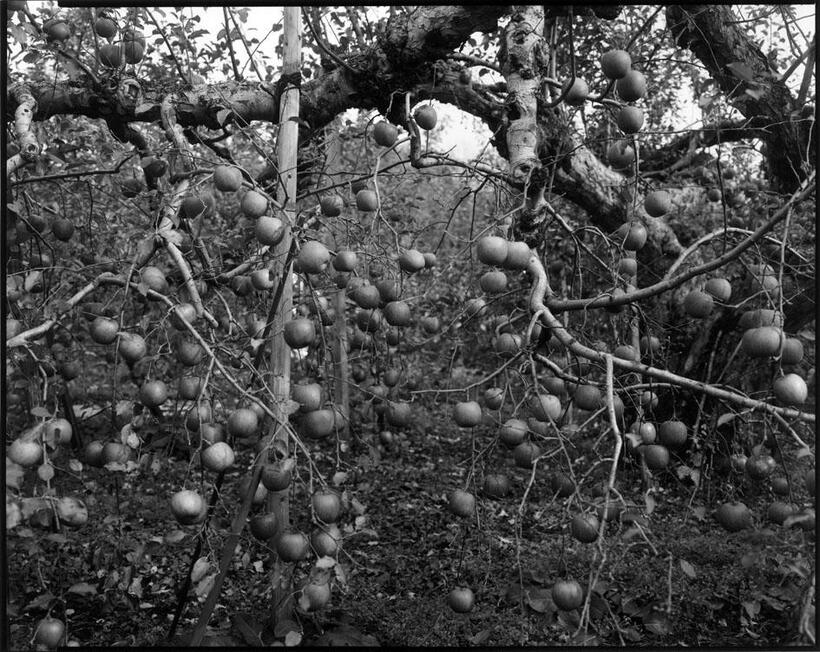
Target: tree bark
(741, 69)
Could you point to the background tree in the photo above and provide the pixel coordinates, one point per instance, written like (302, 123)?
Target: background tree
(617, 305)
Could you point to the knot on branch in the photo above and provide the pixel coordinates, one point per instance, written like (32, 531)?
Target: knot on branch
(129, 95)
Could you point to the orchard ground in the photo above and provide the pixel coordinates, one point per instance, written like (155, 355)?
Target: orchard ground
(119, 574)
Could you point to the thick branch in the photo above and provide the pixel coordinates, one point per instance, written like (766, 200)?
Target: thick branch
(741, 69)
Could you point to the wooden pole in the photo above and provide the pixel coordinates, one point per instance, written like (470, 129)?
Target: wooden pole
(287, 145)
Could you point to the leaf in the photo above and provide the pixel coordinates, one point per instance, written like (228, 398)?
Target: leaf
(741, 71)
(200, 569)
(14, 474)
(325, 562)
(175, 536)
(658, 624)
(803, 452)
(339, 478)
(33, 279)
(56, 538)
(480, 637)
(83, 588)
(40, 412)
(688, 569)
(807, 334)
(32, 56)
(650, 503)
(752, 607)
(755, 93)
(699, 512)
(204, 587)
(13, 514)
(222, 116)
(40, 602)
(293, 638)
(725, 418)
(144, 107)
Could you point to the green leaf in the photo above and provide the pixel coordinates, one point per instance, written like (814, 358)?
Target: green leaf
(688, 569)
(83, 588)
(40, 412)
(14, 474)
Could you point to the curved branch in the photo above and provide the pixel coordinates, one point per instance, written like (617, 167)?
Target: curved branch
(541, 288)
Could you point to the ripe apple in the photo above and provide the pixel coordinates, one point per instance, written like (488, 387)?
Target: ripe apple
(629, 119)
(632, 86)
(104, 330)
(385, 134)
(397, 313)
(243, 423)
(111, 55)
(345, 261)
(518, 255)
(218, 457)
(63, 229)
(326, 540)
(269, 230)
(367, 200)
(577, 93)
(761, 342)
(657, 203)
(492, 250)
(131, 347)
(227, 178)
(631, 236)
(254, 204)
(567, 594)
(264, 526)
(299, 333)
(292, 546)
(467, 414)
(733, 516)
(584, 527)
(319, 423)
(719, 288)
(25, 452)
(615, 64)
(791, 389)
(493, 282)
(425, 117)
(496, 485)
(525, 453)
(331, 205)
(316, 595)
(672, 433)
(655, 455)
(792, 351)
(50, 632)
(188, 507)
(546, 407)
(461, 600)
(326, 505)
(313, 257)
(588, 397)
(411, 261)
(461, 503)
(494, 397)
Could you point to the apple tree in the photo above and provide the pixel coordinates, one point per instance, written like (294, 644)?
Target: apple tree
(270, 258)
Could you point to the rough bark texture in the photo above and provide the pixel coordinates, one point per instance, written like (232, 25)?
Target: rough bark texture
(524, 61)
(715, 36)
